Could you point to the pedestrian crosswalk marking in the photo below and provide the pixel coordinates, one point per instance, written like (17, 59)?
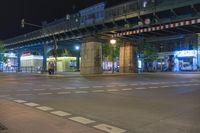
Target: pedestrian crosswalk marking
(82, 120)
(109, 129)
(20, 101)
(44, 108)
(60, 113)
(31, 104)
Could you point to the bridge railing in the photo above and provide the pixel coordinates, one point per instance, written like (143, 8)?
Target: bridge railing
(109, 15)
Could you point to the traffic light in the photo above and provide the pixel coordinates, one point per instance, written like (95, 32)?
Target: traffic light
(22, 23)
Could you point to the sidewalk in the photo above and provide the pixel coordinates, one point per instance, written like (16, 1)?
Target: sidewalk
(21, 119)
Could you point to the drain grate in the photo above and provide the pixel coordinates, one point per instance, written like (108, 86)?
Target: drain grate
(2, 127)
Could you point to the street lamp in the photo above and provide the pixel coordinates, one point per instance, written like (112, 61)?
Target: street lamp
(113, 42)
(77, 48)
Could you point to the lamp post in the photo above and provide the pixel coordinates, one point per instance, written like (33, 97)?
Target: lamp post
(113, 42)
(23, 23)
(77, 48)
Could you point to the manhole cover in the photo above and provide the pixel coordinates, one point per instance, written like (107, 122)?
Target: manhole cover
(2, 127)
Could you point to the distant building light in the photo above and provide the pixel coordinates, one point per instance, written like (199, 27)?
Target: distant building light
(186, 53)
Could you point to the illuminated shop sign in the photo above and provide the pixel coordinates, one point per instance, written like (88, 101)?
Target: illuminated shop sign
(186, 53)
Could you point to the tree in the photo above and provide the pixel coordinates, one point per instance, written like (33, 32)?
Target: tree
(149, 55)
(110, 51)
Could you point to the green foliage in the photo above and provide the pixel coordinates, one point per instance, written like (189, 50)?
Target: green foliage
(3, 58)
(150, 54)
(110, 51)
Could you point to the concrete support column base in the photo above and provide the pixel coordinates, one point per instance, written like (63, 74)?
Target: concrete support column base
(91, 57)
(127, 60)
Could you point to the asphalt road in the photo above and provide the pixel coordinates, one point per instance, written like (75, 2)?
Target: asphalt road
(145, 103)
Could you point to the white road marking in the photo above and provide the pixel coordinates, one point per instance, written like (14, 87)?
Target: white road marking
(84, 87)
(24, 94)
(70, 88)
(122, 85)
(28, 83)
(110, 86)
(60, 113)
(176, 85)
(165, 86)
(55, 88)
(140, 88)
(66, 92)
(98, 91)
(109, 128)
(127, 89)
(78, 92)
(32, 104)
(143, 84)
(23, 90)
(82, 120)
(46, 85)
(112, 90)
(97, 86)
(155, 83)
(153, 87)
(20, 101)
(133, 84)
(44, 108)
(38, 89)
(45, 93)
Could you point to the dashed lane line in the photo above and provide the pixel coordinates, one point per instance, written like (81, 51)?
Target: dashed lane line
(39, 89)
(103, 127)
(133, 84)
(60, 113)
(23, 90)
(45, 93)
(65, 92)
(164, 86)
(24, 94)
(28, 83)
(110, 86)
(70, 88)
(112, 90)
(96, 91)
(97, 86)
(82, 120)
(20, 101)
(44, 108)
(127, 89)
(122, 85)
(87, 87)
(140, 88)
(55, 89)
(31, 104)
(46, 85)
(109, 129)
(81, 92)
(153, 87)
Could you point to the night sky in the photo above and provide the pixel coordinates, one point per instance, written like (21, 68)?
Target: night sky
(37, 11)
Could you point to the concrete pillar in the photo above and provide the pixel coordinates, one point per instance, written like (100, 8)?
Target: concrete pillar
(198, 49)
(19, 61)
(91, 56)
(126, 59)
(44, 69)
